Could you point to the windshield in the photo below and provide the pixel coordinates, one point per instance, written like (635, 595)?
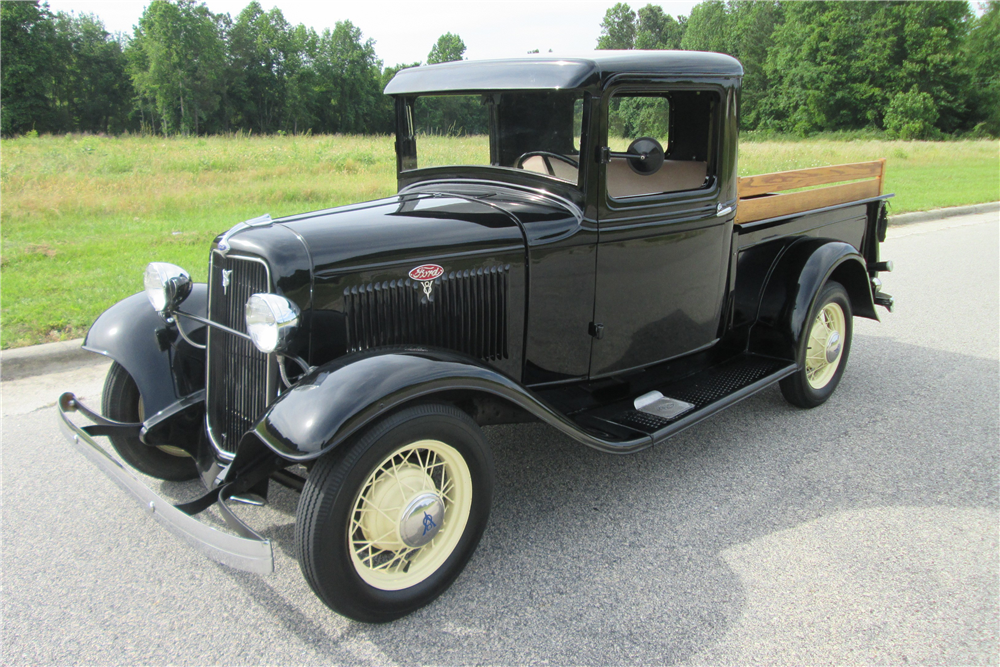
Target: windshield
(531, 131)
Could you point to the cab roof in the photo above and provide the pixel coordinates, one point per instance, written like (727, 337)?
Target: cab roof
(549, 72)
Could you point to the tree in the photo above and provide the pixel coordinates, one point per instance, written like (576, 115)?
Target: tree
(349, 77)
(911, 115)
(27, 37)
(449, 47)
(259, 53)
(656, 30)
(175, 61)
(839, 65)
(983, 62)
(707, 28)
(92, 92)
(618, 28)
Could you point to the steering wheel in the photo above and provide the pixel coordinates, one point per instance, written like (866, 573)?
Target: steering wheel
(546, 155)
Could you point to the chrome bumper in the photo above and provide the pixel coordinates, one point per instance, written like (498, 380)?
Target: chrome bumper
(243, 553)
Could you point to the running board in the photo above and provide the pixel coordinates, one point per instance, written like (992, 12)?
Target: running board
(669, 409)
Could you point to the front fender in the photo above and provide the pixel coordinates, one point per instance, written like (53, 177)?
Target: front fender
(164, 366)
(338, 399)
(795, 281)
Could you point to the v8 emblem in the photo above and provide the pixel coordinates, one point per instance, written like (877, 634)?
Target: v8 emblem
(226, 273)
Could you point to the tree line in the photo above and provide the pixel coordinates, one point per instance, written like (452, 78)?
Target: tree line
(185, 70)
(913, 69)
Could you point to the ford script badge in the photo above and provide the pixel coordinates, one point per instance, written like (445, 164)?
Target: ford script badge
(425, 274)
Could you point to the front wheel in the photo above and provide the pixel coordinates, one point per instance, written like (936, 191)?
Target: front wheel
(823, 349)
(122, 402)
(386, 524)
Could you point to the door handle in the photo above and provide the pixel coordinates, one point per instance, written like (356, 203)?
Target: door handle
(721, 211)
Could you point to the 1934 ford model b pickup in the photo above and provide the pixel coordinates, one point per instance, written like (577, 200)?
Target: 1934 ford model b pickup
(592, 262)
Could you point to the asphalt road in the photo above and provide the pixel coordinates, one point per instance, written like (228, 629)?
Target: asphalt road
(862, 532)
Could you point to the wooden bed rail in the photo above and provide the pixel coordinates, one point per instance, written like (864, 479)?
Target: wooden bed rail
(758, 201)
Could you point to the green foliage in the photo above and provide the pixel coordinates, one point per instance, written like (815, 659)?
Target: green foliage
(708, 28)
(175, 61)
(449, 47)
(634, 117)
(618, 28)
(656, 30)
(809, 67)
(649, 28)
(838, 65)
(911, 115)
(27, 39)
(451, 115)
(982, 54)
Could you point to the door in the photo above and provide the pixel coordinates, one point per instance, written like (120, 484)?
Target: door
(662, 255)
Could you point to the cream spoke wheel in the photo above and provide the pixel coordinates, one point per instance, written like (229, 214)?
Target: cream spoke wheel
(410, 514)
(388, 519)
(826, 340)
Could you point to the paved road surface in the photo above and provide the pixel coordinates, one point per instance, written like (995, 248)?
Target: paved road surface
(864, 531)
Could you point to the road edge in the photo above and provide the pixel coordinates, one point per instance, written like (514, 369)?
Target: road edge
(65, 355)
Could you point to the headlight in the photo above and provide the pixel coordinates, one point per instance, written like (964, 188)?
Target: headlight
(271, 320)
(166, 285)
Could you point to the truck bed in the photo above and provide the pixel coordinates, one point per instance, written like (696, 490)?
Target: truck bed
(767, 196)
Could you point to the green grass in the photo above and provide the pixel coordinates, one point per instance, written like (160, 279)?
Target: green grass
(80, 216)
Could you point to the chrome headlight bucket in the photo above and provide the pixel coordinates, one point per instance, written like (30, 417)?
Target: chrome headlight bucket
(271, 321)
(166, 285)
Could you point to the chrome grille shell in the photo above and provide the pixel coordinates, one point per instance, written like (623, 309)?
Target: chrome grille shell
(241, 381)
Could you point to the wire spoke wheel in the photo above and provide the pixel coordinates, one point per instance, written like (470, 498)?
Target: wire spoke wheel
(427, 485)
(822, 349)
(388, 520)
(825, 345)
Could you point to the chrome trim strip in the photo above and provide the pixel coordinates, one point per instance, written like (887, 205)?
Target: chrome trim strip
(242, 553)
(271, 362)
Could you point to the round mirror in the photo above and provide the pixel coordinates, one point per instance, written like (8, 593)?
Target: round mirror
(646, 156)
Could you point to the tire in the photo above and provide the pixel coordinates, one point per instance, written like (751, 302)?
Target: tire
(823, 350)
(121, 401)
(356, 551)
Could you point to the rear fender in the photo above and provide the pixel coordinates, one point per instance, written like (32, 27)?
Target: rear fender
(335, 401)
(164, 366)
(795, 281)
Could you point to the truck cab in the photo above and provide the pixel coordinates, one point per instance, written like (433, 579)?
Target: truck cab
(570, 243)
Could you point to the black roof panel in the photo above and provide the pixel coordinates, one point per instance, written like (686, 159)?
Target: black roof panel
(548, 72)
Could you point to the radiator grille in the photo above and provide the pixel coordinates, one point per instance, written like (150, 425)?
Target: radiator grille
(238, 373)
(467, 312)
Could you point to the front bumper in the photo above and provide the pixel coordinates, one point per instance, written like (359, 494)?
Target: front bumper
(249, 552)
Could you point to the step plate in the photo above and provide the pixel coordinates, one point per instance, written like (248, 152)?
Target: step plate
(702, 390)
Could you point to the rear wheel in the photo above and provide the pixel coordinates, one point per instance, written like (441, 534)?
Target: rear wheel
(122, 402)
(386, 524)
(823, 350)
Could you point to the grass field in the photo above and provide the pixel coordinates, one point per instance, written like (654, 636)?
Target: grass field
(80, 216)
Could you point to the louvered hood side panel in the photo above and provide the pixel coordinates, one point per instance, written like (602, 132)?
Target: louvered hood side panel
(466, 311)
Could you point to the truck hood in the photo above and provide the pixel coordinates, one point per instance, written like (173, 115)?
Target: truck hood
(423, 224)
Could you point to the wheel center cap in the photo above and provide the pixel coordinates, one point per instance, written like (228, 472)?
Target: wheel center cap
(421, 519)
(833, 347)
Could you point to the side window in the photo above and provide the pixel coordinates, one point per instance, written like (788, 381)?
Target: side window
(679, 122)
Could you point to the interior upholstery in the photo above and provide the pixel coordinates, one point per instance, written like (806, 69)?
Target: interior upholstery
(563, 170)
(673, 176)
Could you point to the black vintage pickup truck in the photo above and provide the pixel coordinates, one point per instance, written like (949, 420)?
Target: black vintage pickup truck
(584, 255)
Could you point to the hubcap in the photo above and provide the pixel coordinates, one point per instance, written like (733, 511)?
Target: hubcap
(410, 515)
(421, 520)
(833, 347)
(826, 345)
